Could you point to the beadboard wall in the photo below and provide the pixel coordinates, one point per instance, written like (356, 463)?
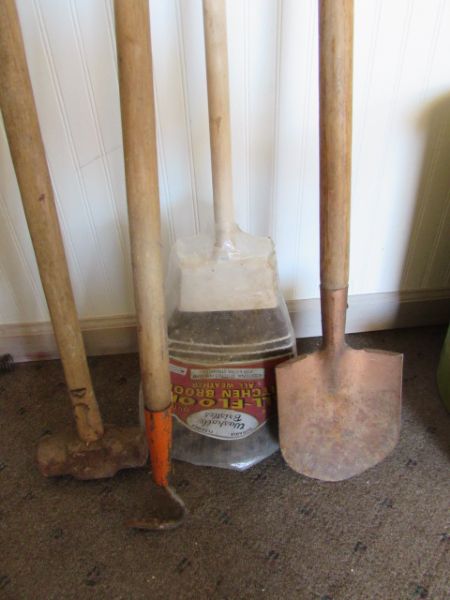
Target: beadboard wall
(400, 242)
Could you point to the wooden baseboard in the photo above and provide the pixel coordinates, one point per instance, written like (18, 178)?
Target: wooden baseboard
(117, 334)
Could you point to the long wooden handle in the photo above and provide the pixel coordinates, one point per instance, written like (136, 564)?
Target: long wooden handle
(141, 170)
(336, 43)
(215, 31)
(28, 156)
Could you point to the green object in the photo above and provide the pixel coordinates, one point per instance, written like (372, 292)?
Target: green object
(443, 372)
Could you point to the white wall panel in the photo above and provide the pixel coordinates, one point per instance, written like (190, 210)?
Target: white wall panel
(295, 207)
(21, 292)
(400, 211)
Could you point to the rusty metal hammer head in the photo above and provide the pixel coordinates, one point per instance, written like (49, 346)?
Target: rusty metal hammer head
(65, 453)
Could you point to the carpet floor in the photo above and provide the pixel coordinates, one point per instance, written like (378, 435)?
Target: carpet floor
(265, 533)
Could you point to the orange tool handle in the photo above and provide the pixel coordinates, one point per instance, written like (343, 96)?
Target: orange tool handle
(158, 427)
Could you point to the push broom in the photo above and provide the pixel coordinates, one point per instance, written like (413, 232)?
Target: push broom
(228, 321)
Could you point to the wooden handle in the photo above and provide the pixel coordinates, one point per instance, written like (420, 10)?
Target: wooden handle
(215, 31)
(141, 170)
(28, 156)
(336, 43)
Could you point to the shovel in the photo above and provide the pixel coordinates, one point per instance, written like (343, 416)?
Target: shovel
(339, 408)
(141, 171)
(94, 451)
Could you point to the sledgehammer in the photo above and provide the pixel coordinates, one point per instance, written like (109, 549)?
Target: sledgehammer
(94, 451)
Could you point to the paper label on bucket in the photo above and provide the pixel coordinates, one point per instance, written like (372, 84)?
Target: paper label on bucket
(226, 402)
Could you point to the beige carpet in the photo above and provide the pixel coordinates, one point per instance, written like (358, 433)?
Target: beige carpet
(266, 533)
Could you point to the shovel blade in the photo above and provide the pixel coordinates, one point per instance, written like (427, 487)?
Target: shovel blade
(339, 414)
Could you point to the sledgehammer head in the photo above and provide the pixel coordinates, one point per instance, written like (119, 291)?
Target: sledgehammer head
(65, 454)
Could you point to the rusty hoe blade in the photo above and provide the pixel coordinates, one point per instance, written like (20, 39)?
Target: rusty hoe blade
(165, 511)
(162, 508)
(339, 408)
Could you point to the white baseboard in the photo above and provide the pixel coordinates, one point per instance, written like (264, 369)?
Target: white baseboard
(102, 335)
(374, 312)
(117, 334)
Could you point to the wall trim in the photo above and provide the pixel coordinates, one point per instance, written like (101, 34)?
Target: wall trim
(375, 312)
(117, 334)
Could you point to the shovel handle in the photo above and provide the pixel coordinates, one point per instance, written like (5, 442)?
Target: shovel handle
(335, 63)
(215, 32)
(141, 171)
(28, 156)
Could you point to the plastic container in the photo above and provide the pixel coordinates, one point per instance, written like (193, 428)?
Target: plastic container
(228, 324)
(228, 328)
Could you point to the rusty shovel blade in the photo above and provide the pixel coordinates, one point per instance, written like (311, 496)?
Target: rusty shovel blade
(340, 413)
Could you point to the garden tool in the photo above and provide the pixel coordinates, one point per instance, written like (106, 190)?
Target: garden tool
(94, 451)
(141, 171)
(339, 408)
